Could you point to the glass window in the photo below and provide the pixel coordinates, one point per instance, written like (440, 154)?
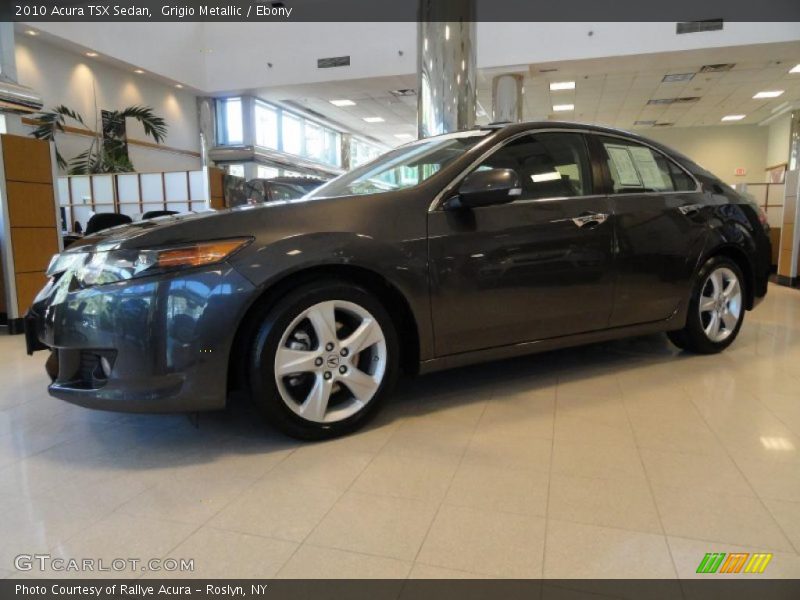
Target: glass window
(361, 152)
(637, 168)
(285, 192)
(263, 172)
(236, 170)
(266, 126)
(292, 129)
(315, 141)
(549, 165)
(403, 167)
(232, 129)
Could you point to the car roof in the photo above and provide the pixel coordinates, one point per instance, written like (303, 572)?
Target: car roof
(508, 128)
(525, 125)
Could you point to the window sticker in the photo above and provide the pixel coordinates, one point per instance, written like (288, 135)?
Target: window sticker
(652, 176)
(623, 164)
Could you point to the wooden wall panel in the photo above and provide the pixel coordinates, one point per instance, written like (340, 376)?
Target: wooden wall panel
(216, 188)
(28, 285)
(27, 159)
(33, 248)
(31, 209)
(3, 308)
(775, 242)
(31, 204)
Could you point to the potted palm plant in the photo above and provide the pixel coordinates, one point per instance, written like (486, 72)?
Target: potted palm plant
(108, 151)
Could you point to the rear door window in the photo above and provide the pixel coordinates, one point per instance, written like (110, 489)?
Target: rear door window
(637, 168)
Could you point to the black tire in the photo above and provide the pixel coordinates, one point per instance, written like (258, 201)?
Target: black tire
(693, 337)
(271, 328)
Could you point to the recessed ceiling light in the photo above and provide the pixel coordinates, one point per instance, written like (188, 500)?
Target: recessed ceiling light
(563, 107)
(768, 94)
(179, 86)
(31, 32)
(562, 85)
(91, 54)
(404, 136)
(373, 119)
(733, 117)
(795, 69)
(675, 77)
(342, 102)
(138, 71)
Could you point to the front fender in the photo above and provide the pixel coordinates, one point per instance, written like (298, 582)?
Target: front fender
(403, 264)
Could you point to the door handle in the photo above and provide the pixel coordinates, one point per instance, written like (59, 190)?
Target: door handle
(690, 209)
(590, 219)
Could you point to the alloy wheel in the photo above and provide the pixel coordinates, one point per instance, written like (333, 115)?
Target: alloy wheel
(720, 304)
(331, 361)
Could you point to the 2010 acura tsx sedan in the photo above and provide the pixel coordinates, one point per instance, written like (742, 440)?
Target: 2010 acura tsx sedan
(450, 250)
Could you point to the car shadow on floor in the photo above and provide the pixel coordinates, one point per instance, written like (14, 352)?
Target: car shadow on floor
(142, 442)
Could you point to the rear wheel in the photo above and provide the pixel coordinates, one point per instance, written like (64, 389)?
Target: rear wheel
(716, 308)
(323, 360)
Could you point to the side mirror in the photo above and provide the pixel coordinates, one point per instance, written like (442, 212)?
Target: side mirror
(485, 188)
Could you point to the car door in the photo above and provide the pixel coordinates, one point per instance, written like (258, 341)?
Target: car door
(535, 268)
(660, 227)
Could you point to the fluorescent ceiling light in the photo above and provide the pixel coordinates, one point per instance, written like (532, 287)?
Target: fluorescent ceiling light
(674, 77)
(91, 54)
(404, 136)
(795, 69)
(768, 94)
(562, 85)
(31, 32)
(563, 107)
(342, 102)
(551, 176)
(373, 119)
(179, 86)
(733, 117)
(138, 71)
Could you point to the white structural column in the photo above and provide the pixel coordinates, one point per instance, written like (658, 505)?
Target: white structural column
(207, 120)
(789, 253)
(446, 69)
(507, 98)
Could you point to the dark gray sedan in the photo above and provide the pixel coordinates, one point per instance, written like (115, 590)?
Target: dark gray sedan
(451, 250)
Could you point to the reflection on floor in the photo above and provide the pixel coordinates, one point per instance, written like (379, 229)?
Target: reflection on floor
(625, 459)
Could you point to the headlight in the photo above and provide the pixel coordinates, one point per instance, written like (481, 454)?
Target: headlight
(110, 266)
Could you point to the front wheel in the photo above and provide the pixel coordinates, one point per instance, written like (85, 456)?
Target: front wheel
(716, 308)
(323, 359)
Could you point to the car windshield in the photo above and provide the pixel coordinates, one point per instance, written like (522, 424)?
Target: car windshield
(403, 167)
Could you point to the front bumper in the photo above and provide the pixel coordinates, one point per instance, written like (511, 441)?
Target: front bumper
(158, 344)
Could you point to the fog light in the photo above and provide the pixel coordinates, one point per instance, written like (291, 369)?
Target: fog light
(105, 366)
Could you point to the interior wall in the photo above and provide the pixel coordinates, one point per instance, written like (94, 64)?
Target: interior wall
(63, 77)
(778, 141)
(720, 149)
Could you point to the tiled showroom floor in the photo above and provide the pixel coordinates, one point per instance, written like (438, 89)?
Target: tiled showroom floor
(625, 459)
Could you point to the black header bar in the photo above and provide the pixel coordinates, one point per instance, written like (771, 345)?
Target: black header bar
(746, 587)
(397, 10)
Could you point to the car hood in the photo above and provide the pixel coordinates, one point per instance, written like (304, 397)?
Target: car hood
(265, 222)
(176, 229)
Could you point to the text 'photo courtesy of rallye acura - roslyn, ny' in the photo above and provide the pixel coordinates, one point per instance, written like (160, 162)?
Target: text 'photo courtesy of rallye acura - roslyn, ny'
(451, 250)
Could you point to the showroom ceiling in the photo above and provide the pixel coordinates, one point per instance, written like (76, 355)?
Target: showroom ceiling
(614, 91)
(703, 85)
